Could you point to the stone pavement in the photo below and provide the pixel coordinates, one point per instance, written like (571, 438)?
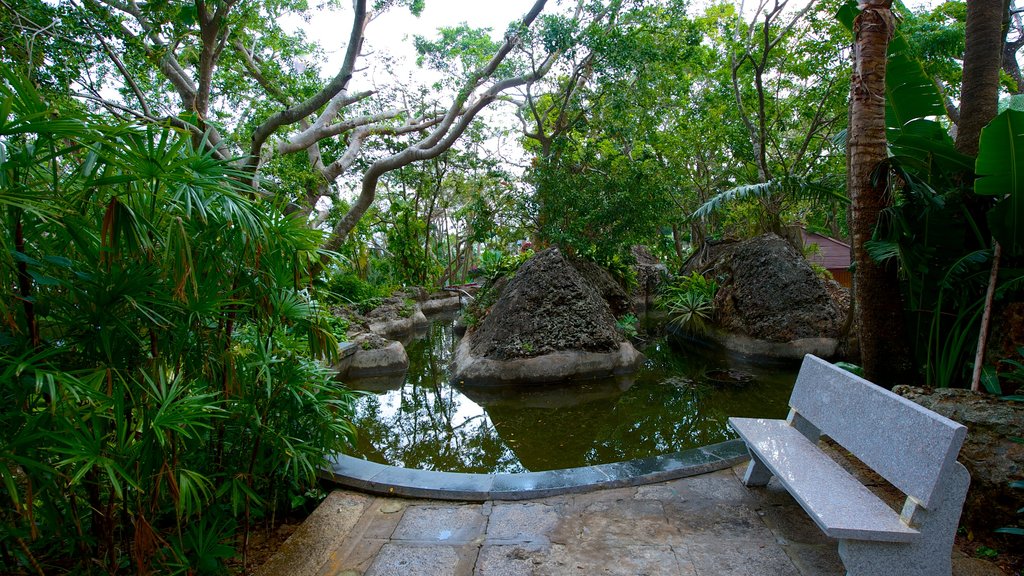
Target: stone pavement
(706, 525)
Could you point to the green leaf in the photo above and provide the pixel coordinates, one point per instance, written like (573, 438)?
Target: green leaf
(1000, 169)
(928, 140)
(1015, 102)
(1014, 531)
(1000, 164)
(909, 92)
(990, 380)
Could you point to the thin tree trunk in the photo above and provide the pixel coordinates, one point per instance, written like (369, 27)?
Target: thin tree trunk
(983, 50)
(986, 318)
(885, 354)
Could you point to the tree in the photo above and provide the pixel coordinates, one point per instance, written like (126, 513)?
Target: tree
(885, 353)
(983, 53)
(226, 72)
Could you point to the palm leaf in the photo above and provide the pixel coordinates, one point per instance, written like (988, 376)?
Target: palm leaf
(791, 186)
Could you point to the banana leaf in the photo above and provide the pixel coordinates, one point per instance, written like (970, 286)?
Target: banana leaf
(1000, 169)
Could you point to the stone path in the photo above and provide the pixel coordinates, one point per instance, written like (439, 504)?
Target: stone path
(707, 525)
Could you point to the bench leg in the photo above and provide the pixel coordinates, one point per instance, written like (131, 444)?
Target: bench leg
(863, 558)
(757, 473)
(931, 554)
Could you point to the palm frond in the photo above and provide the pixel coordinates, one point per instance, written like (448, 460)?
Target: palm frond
(793, 187)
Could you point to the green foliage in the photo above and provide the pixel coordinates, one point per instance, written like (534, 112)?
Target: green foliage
(494, 263)
(627, 325)
(158, 385)
(690, 302)
(348, 288)
(1000, 169)
(937, 231)
(787, 189)
(851, 368)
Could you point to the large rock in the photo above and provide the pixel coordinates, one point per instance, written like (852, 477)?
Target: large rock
(989, 454)
(548, 324)
(397, 318)
(770, 303)
(371, 355)
(614, 294)
(649, 274)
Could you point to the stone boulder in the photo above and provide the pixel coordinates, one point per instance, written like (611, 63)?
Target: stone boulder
(989, 454)
(396, 318)
(770, 303)
(548, 324)
(371, 355)
(649, 274)
(602, 280)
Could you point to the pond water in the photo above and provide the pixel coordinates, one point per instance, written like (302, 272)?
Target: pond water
(423, 421)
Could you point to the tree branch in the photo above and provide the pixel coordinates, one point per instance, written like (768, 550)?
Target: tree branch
(334, 87)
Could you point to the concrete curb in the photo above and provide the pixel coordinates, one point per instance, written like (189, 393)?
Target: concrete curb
(387, 480)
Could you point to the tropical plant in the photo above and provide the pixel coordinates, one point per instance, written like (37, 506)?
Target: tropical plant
(690, 302)
(494, 263)
(159, 396)
(627, 325)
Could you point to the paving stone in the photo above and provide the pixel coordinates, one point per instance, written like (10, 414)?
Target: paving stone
(510, 560)
(381, 518)
(441, 523)
(716, 486)
(416, 560)
(354, 557)
(631, 560)
(740, 558)
(626, 521)
(522, 522)
(660, 492)
(699, 521)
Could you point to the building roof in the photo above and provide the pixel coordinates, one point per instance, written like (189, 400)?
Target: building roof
(832, 254)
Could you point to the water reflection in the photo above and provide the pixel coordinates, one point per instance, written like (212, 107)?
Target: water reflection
(428, 424)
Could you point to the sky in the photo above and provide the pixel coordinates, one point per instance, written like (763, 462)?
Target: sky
(393, 30)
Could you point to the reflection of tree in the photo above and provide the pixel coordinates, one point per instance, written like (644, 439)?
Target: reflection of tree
(430, 425)
(427, 424)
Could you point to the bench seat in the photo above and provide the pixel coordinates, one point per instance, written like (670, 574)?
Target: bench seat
(837, 502)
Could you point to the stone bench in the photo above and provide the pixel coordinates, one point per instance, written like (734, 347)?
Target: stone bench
(913, 448)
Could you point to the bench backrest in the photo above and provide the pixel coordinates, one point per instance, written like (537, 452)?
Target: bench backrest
(907, 444)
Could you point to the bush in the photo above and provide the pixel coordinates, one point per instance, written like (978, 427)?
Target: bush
(348, 288)
(161, 385)
(690, 302)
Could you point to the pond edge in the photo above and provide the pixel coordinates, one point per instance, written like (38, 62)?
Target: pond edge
(374, 478)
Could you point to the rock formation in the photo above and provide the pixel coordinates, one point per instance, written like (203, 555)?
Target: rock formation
(770, 303)
(548, 324)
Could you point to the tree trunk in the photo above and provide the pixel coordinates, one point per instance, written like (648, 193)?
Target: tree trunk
(979, 95)
(885, 353)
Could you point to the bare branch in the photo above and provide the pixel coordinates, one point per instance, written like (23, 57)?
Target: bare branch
(323, 127)
(334, 87)
(446, 133)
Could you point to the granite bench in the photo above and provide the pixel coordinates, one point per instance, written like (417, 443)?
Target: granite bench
(913, 448)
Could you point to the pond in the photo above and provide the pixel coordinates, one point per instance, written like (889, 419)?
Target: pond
(424, 422)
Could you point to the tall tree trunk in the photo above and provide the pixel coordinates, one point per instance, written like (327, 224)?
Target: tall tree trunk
(885, 353)
(983, 52)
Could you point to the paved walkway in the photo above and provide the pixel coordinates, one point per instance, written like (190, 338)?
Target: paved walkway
(706, 525)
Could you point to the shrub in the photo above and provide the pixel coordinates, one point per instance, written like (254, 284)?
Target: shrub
(161, 390)
(690, 302)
